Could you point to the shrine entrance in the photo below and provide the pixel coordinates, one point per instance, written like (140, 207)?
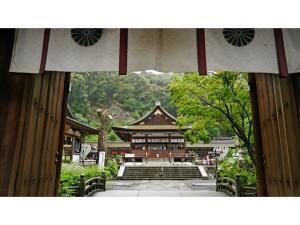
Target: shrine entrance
(32, 120)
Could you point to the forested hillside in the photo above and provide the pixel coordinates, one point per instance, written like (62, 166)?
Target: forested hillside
(127, 98)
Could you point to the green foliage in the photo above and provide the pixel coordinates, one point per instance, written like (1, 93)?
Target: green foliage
(230, 166)
(80, 118)
(215, 105)
(112, 136)
(70, 177)
(118, 159)
(126, 98)
(91, 138)
(111, 167)
(248, 177)
(79, 93)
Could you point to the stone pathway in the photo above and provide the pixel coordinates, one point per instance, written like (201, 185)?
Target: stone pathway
(160, 188)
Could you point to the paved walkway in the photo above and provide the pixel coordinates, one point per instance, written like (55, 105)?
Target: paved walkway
(160, 188)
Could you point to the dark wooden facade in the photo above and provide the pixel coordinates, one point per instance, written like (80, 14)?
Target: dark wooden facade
(155, 135)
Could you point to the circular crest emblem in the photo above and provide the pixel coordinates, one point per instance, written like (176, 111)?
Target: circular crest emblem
(239, 37)
(86, 36)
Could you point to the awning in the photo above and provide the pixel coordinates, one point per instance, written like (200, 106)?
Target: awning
(165, 50)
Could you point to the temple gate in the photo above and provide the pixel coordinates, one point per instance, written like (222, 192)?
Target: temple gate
(33, 110)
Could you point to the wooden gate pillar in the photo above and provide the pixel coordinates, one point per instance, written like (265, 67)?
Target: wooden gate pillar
(11, 93)
(32, 112)
(258, 149)
(278, 110)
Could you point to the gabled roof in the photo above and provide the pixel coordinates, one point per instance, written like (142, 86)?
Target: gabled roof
(69, 112)
(70, 119)
(81, 126)
(165, 123)
(151, 112)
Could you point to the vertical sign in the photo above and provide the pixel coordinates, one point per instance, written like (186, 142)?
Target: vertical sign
(101, 159)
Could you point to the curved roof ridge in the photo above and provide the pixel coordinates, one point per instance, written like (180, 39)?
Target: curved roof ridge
(69, 112)
(151, 112)
(78, 124)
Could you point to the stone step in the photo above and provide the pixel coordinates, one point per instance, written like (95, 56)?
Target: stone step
(170, 172)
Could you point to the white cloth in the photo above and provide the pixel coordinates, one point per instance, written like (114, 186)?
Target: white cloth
(258, 56)
(166, 50)
(291, 39)
(27, 52)
(143, 49)
(64, 54)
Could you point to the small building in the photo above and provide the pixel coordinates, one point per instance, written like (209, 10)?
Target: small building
(75, 133)
(153, 136)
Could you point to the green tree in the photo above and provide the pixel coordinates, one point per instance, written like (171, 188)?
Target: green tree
(79, 96)
(214, 104)
(127, 98)
(112, 136)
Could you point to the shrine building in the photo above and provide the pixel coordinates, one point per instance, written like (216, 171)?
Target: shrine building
(153, 136)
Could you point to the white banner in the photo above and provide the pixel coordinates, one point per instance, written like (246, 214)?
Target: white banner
(166, 50)
(292, 45)
(256, 55)
(65, 54)
(27, 52)
(101, 160)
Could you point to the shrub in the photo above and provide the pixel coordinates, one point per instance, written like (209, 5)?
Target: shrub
(231, 166)
(112, 136)
(70, 177)
(111, 167)
(118, 159)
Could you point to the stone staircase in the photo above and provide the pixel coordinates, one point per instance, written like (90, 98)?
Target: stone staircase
(161, 173)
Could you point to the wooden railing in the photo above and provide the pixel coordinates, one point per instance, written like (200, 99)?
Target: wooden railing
(233, 187)
(92, 185)
(226, 185)
(87, 187)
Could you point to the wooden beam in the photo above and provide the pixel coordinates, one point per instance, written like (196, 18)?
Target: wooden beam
(45, 50)
(281, 57)
(201, 52)
(62, 132)
(123, 51)
(260, 168)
